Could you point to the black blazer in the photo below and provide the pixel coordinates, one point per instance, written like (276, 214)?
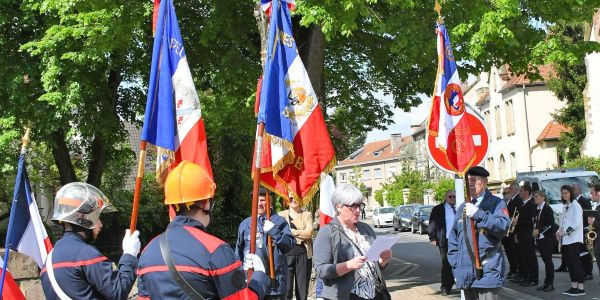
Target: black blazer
(514, 204)
(437, 226)
(546, 218)
(584, 202)
(526, 215)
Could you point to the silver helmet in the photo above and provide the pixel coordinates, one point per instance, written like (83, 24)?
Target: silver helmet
(80, 204)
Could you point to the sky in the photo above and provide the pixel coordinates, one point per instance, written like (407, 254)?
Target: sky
(402, 120)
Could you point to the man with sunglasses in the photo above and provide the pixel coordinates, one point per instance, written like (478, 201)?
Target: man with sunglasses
(440, 223)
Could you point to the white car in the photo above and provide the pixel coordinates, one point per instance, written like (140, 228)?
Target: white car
(383, 216)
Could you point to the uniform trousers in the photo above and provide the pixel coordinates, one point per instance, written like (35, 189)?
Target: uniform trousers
(482, 294)
(447, 276)
(546, 246)
(511, 254)
(574, 262)
(528, 267)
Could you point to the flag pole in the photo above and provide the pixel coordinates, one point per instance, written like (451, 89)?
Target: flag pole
(25, 142)
(255, 186)
(270, 242)
(138, 187)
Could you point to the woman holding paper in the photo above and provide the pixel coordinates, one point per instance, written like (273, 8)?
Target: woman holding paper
(340, 248)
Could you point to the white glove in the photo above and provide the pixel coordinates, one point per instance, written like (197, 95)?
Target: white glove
(471, 209)
(252, 261)
(268, 225)
(131, 243)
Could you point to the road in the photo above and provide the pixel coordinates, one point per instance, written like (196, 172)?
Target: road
(416, 265)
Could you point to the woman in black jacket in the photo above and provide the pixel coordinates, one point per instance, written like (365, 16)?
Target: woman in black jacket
(545, 235)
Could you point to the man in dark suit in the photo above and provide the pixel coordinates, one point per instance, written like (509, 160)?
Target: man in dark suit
(440, 223)
(513, 203)
(528, 267)
(586, 260)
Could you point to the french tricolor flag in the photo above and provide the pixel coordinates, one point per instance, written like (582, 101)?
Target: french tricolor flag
(267, 4)
(326, 208)
(448, 120)
(173, 119)
(27, 234)
(296, 144)
(10, 289)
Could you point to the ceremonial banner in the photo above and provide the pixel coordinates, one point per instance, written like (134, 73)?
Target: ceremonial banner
(266, 5)
(10, 289)
(173, 119)
(448, 118)
(296, 144)
(326, 209)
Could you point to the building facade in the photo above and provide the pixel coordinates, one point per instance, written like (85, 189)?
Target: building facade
(518, 116)
(591, 95)
(373, 165)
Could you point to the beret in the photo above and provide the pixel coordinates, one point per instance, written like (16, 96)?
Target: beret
(261, 192)
(478, 171)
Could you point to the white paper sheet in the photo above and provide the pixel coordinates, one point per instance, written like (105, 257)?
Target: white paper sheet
(380, 244)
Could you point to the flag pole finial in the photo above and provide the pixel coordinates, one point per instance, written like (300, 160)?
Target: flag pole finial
(438, 9)
(25, 140)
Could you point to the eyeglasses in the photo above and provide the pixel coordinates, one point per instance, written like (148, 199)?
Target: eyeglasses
(355, 206)
(452, 197)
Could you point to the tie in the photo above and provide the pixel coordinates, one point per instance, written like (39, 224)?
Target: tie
(453, 209)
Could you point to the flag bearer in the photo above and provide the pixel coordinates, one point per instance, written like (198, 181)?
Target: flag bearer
(186, 262)
(75, 269)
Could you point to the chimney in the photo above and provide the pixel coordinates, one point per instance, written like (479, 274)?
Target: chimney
(414, 128)
(396, 140)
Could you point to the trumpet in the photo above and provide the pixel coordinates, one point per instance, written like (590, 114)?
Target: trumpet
(591, 237)
(513, 223)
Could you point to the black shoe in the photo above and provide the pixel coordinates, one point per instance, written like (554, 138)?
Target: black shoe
(527, 283)
(567, 292)
(561, 269)
(511, 275)
(445, 292)
(576, 292)
(589, 277)
(542, 287)
(517, 279)
(549, 288)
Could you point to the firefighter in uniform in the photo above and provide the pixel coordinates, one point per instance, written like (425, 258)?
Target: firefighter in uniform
(74, 268)
(185, 262)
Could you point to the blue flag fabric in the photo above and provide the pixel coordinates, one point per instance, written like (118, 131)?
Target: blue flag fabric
(160, 126)
(281, 52)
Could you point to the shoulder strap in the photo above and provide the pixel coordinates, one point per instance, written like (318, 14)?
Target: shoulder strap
(181, 282)
(50, 271)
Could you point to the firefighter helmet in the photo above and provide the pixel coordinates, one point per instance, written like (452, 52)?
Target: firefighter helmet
(80, 204)
(188, 183)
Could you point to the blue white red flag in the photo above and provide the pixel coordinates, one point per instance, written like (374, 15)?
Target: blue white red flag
(267, 4)
(448, 120)
(173, 120)
(296, 144)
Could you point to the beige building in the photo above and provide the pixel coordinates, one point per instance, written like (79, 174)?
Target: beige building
(518, 116)
(591, 144)
(373, 165)
(414, 155)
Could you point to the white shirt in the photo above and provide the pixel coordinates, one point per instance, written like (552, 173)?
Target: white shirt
(572, 216)
(450, 215)
(595, 204)
(525, 201)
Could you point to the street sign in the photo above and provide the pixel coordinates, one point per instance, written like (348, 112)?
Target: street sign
(480, 140)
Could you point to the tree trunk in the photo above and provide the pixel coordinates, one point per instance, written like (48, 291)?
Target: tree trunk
(311, 45)
(97, 161)
(60, 151)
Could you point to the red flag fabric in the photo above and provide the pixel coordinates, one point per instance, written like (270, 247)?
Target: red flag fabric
(10, 289)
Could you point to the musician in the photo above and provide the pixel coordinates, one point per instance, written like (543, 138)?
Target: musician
(570, 232)
(586, 260)
(595, 193)
(545, 235)
(513, 204)
(528, 268)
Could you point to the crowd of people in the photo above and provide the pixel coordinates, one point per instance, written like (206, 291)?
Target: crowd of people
(187, 262)
(521, 224)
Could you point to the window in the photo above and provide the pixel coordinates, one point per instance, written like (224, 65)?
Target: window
(488, 124)
(502, 168)
(343, 177)
(510, 117)
(491, 168)
(366, 174)
(513, 165)
(392, 172)
(498, 122)
(377, 173)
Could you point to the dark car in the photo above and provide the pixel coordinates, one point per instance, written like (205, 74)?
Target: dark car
(402, 216)
(420, 219)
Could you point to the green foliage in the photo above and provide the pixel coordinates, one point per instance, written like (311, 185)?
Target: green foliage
(417, 185)
(441, 186)
(589, 163)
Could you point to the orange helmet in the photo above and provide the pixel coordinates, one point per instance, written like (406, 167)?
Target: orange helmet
(188, 182)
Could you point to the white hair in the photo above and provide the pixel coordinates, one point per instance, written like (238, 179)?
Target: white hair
(346, 194)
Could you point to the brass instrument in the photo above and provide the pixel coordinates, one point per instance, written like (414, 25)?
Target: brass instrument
(591, 237)
(513, 223)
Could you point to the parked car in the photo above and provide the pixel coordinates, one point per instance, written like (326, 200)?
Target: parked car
(402, 216)
(383, 216)
(420, 219)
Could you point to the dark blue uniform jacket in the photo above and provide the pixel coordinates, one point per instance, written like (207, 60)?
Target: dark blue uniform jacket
(82, 272)
(491, 225)
(205, 261)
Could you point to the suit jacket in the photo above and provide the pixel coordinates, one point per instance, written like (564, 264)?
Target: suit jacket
(514, 204)
(584, 202)
(544, 219)
(525, 223)
(437, 226)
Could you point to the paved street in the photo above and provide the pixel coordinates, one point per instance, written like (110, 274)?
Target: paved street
(415, 271)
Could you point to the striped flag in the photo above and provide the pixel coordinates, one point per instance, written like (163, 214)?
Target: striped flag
(448, 120)
(326, 209)
(10, 289)
(296, 145)
(173, 119)
(267, 4)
